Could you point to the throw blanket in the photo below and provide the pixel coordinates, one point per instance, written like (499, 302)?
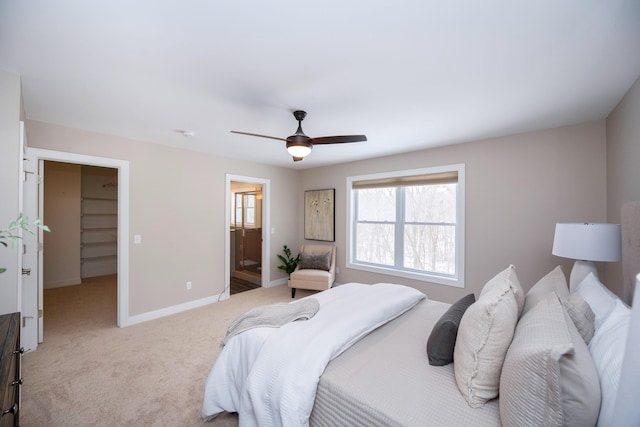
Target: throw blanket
(272, 316)
(269, 376)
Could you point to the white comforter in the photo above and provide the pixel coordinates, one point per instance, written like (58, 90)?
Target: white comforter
(270, 375)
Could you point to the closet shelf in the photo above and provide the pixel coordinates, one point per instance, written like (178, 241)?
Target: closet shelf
(103, 243)
(99, 198)
(97, 257)
(97, 228)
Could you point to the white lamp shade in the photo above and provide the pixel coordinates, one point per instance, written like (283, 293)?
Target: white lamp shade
(587, 241)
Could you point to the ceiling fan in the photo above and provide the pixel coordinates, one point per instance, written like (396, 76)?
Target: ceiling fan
(299, 145)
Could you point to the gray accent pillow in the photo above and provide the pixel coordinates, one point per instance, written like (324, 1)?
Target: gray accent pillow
(314, 261)
(442, 339)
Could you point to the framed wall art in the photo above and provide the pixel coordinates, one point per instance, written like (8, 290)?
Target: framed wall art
(319, 215)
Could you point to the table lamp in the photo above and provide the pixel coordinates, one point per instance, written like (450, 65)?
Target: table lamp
(586, 242)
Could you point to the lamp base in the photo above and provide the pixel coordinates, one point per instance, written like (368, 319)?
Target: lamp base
(580, 270)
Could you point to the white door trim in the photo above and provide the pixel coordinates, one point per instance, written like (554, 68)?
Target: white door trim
(266, 226)
(38, 154)
(22, 176)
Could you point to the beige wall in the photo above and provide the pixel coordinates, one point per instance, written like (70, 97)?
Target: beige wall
(517, 188)
(61, 260)
(177, 203)
(9, 155)
(623, 166)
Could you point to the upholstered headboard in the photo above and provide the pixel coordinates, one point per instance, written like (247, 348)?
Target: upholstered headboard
(627, 408)
(630, 227)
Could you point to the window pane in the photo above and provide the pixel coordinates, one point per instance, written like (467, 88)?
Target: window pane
(431, 203)
(430, 248)
(375, 243)
(250, 216)
(377, 204)
(238, 204)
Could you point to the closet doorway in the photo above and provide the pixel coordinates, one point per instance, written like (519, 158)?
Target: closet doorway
(33, 206)
(80, 257)
(81, 205)
(247, 222)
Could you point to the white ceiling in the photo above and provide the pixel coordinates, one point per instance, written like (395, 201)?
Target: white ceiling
(410, 74)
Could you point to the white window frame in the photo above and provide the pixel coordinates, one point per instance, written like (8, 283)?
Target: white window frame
(243, 223)
(456, 280)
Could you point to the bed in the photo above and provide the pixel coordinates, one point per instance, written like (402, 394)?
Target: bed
(349, 394)
(560, 365)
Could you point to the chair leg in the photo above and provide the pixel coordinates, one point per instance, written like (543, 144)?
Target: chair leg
(293, 292)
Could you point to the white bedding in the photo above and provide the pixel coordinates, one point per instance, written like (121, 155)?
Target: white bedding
(269, 376)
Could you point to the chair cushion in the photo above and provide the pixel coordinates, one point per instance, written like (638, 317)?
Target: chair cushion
(315, 261)
(312, 275)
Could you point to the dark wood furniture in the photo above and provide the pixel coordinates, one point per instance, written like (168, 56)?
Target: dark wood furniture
(10, 375)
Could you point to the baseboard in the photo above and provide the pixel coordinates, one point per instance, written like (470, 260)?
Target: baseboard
(62, 283)
(168, 311)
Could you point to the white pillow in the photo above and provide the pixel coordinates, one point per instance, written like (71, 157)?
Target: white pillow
(600, 299)
(554, 281)
(548, 377)
(581, 315)
(484, 336)
(607, 350)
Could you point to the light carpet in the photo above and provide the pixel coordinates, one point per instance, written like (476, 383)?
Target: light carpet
(89, 372)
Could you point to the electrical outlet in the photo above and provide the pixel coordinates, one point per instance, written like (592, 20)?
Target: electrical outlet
(188, 286)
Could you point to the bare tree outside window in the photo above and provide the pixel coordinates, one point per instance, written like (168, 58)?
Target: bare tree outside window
(408, 227)
(376, 225)
(430, 219)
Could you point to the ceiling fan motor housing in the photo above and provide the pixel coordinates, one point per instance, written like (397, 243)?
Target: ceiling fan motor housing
(299, 115)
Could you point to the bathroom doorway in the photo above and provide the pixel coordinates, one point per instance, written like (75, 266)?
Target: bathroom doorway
(247, 237)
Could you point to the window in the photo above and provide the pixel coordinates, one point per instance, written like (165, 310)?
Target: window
(244, 208)
(409, 224)
(250, 210)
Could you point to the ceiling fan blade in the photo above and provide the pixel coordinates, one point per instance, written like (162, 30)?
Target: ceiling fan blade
(297, 159)
(257, 134)
(338, 139)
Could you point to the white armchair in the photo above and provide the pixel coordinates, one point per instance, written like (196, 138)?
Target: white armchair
(316, 269)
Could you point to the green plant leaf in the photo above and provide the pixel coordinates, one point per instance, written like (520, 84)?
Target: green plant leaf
(20, 223)
(287, 263)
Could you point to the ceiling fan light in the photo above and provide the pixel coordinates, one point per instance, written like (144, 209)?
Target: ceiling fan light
(299, 149)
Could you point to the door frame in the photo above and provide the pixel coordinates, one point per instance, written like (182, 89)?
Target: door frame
(38, 154)
(266, 226)
(22, 178)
